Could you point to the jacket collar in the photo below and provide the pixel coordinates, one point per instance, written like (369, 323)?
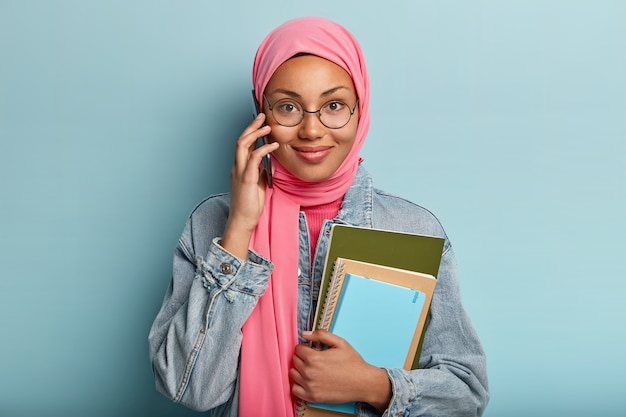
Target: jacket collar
(356, 209)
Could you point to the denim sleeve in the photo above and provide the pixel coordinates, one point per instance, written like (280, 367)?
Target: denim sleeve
(196, 337)
(452, 376)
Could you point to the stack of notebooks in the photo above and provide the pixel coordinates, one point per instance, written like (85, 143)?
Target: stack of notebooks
(375, 293)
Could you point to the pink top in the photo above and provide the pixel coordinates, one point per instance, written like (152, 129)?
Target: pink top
(315, 216)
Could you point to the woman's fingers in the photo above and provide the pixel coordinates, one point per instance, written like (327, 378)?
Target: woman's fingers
(247, 156)
(256, 123)
(248, 162)
(247, 189)
(247, 186)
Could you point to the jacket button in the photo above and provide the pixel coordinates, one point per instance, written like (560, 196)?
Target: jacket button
(226, 268)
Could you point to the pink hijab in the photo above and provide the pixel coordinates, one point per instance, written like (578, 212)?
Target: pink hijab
(270, 333)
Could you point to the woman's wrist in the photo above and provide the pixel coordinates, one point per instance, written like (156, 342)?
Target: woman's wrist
(236, 240)
(378, 392)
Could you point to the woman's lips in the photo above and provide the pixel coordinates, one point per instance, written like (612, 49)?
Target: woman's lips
(314, 153)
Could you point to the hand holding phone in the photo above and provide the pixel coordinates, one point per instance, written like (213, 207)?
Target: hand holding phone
(267, 161)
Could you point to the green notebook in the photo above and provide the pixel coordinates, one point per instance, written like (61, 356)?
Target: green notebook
(414, 252)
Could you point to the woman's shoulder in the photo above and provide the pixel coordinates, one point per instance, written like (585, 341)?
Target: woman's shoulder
(394, 212)
(209, 215)
(206, 221)
(213, 204)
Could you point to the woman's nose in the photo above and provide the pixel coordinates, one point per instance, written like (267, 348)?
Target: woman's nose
(311, 127)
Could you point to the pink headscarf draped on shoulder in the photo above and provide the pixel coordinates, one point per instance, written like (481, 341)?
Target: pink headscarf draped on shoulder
(270, 333)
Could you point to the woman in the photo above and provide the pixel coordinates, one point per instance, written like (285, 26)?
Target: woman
(230, 336)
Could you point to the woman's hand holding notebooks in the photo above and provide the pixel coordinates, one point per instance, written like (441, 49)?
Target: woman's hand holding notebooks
(376, 290)
(381, 311)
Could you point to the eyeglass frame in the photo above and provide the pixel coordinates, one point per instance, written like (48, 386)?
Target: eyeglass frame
(318, 112)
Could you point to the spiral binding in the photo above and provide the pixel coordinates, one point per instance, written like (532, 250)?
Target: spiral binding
(332, 294)
(300, 408)
(328, 310)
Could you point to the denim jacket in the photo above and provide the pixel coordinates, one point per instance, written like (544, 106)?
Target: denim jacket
(196, 336)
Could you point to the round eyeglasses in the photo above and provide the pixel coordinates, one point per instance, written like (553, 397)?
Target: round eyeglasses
(288, 112)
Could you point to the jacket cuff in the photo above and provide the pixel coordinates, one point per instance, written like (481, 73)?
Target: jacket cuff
(403, 392)
(221, 268)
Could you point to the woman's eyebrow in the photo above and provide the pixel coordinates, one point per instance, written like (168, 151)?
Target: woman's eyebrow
(333, 90)
(294, 94)
(285, 92)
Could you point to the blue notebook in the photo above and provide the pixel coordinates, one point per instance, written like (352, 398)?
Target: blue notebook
(379, 310)
(389, 312)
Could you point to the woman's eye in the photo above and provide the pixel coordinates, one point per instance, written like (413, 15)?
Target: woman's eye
(288, 108)
(334, 106)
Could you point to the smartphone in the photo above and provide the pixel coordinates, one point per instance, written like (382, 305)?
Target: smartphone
(267, 160)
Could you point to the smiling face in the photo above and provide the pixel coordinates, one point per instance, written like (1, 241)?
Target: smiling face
(311, 151)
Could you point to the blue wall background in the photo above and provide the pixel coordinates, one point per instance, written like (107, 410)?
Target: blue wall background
(507, 119)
